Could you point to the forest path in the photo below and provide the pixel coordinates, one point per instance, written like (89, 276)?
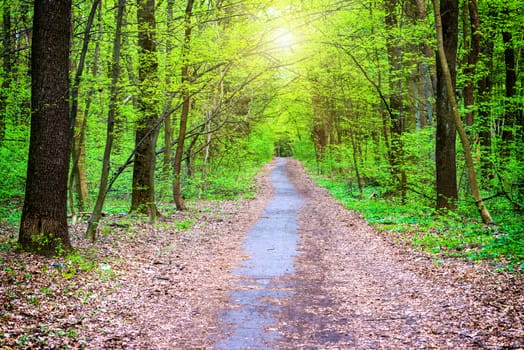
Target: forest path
(351, 288)
(212, 277)
(271, 245)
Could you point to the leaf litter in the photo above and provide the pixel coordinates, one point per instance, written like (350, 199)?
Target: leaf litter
(163, 286)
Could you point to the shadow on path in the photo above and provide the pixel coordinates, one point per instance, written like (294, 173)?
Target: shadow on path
(271, 244)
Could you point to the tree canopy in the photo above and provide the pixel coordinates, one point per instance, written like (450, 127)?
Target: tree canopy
(192, 94)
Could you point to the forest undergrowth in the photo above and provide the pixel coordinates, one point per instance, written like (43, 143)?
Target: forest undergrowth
(94, 295)
(453, 234)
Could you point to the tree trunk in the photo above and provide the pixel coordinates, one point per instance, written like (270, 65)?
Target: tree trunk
(168, 127)
(78, 176)
(43, 228)
(78, 142)
(485, 85)
(421, 103)
(143, 192)
(177, 167)
(445, 150)
(113, 100)
(472, 47)
(78, 173)
(395, 100)
(511, 83)
(448, 82)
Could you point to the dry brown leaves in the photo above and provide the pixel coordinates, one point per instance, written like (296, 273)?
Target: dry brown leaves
(148, 287)
(359, 289)
(162, 287)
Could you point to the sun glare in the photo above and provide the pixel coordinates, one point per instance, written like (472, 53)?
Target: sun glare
(283, 38)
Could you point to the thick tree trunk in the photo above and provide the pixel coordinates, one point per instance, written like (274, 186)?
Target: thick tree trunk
(445, 157)
(143, 192)
(448, 82)
(113, 98)
(177, 166)
(43, 228)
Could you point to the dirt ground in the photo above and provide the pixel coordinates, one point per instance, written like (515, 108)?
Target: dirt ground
(356, 288)
(164, 286)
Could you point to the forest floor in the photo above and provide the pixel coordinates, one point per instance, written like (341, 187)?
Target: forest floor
(164, 286)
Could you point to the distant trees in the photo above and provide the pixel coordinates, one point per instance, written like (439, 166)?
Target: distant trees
(96, 214)
(186, 106)
(211, 86)
(389, 68)
(43, 227)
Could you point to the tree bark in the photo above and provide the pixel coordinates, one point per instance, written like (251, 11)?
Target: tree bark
(445, 150)
(43, 227)
(448, 82)
(186, 95)
(143, 192)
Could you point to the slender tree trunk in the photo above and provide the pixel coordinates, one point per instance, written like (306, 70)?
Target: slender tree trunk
(445, 150)
(168, 127)
(395, 100)
(79, 149)
(79, 180)
(113, 100)
(484, 114)
(484, 213)
(177, 167)
(472, 47)
(143, 192)
(355, 162)
(421, 102)
(511, 83)
(43, 228)
(78, 152)
(78, 177)
(81, 63)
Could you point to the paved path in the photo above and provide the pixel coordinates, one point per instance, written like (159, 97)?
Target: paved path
(271, 244)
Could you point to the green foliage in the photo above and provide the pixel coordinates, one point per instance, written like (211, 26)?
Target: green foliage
(254, 95)
(75, 263)
(13, 162)
(455, 234)
(222, 183)
(184, 224)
